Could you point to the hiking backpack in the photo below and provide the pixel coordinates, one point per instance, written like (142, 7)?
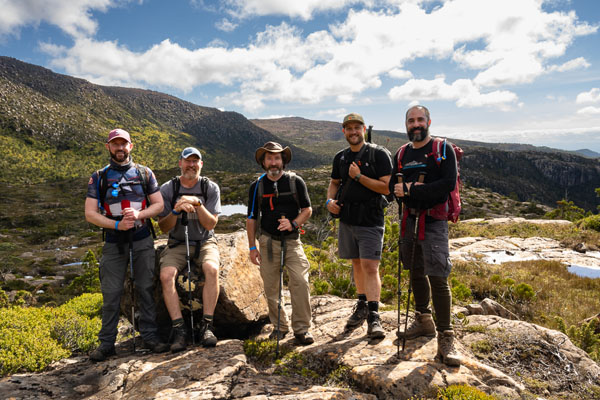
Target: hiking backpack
(176, 182)
(102, 188)
(450, 210)
(259, 193)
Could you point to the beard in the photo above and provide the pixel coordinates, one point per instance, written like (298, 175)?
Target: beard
(190, 173)
(274, 171)
(418, 134)
(120, 156)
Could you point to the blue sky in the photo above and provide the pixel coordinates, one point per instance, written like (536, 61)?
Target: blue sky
(525, 71)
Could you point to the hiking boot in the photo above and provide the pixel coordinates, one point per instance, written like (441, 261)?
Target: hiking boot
(422, 325)
(155, 346)
(304, 338)
(207, 336)
(359, 314)
(446, 351)
(102, 353)
(374, 330)
(276, 333)
(179, 340)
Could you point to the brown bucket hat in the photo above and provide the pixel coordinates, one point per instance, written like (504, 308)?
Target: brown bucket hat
(273, 147)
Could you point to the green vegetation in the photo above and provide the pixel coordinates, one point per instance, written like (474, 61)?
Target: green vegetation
(463, 392)
(32, 338)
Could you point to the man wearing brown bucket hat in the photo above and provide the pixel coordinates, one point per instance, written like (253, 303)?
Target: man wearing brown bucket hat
(278, 205)
(359, 181)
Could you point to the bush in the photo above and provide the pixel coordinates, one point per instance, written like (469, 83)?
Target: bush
(89, 281)
(592, 222)
(462, 392)
(32, 338)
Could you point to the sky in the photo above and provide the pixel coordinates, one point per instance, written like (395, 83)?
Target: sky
(517, 71)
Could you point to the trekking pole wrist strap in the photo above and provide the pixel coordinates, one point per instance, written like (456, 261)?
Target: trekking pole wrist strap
(252, 248)
(175, 212)
(327, 202)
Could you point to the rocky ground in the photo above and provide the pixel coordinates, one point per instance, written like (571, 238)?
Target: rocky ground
(508, 358)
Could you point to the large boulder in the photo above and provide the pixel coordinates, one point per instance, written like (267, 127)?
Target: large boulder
(241, 308)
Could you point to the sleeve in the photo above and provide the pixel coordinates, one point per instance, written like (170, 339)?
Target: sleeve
(383, 163)
(393, 179)
(252, 204)
(302, 191)
(92, 190)
(213, 201)
(335, 171)
(152, 182)
(166, 190)
(442, 186)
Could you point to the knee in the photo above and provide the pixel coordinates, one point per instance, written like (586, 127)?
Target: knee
(167, 276)
(211, 271)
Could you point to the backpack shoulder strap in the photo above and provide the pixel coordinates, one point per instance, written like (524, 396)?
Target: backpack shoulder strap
(204, 188)
(145, 179)
(400, 155)
(438, 152)
(176, 184)
(292, 176)
(102, 186)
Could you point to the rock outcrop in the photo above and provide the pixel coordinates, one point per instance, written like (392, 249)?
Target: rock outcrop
(507, 358)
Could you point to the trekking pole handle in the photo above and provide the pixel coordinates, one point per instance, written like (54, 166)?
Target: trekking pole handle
(422, 176)
(184, 218)
(400, 177)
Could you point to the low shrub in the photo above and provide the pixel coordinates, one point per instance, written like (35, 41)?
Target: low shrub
(463, 392)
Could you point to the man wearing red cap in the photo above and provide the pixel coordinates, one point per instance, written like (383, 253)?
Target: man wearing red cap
(121, 198)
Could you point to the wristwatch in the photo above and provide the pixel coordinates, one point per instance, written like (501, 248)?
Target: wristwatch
(294, 225)
(357, 177)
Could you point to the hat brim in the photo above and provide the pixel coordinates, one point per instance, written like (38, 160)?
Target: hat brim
(286, 154)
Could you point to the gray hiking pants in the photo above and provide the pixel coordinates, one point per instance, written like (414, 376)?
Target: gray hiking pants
(114, 267)
(430, 270)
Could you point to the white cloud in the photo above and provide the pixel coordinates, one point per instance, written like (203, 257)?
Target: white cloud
(576, 63)
(73, 17)
(226, 25)
(589, 111)
(463, 91)
(496, 42)
(303, 9)
(593, 96)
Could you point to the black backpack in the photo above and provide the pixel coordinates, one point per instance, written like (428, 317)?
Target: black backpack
(176, 182)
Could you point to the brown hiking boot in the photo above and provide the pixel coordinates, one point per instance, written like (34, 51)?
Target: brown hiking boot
(421, 326)
(446, 351)
(179, 339)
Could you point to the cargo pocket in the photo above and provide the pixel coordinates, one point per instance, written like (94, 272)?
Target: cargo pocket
(437, 260)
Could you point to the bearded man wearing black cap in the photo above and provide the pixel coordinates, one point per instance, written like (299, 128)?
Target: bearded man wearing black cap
(278, 206)
(197, 199)
(121, 198)
(359, 181)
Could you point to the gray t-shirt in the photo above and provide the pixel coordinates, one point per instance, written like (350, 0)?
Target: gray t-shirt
(195, 230)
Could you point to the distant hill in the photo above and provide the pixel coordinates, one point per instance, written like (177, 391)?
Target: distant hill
(54, 126)
(521, 171)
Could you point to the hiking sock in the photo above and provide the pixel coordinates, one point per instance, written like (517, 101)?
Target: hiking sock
(177, 323)
(362, 297)
(208, 318)
(373, 306)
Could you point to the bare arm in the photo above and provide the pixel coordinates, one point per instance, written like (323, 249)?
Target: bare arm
(251, 232)
(332, 205)
(93, 216)
(380, 185)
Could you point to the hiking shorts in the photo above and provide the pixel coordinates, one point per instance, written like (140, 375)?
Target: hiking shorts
(363, 242)
(176, 256)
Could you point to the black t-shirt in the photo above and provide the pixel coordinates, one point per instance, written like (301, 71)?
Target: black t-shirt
(362, 206)
(439, 181)
(276, 203)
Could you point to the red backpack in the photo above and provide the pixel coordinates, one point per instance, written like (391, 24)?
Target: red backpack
(449, 210)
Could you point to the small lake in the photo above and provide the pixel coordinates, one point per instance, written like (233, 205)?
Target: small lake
(230, 209)
(584, 272)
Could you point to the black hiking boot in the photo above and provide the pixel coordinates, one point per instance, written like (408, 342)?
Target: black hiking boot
(155, 346)
(276, 333)
(179, 339)
(304, 339)
(375, 330)
(359, 314)
(102, 352)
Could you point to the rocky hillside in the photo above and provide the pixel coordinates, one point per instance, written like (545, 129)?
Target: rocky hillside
(53, 126)
(525, 172)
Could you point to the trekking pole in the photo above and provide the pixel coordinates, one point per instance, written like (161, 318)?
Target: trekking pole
(184, 222)
(131, 275)
(400, 179)
(412, 262)
(282, 260)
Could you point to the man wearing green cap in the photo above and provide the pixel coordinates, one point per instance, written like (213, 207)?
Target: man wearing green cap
(359, 181)
(191, 197)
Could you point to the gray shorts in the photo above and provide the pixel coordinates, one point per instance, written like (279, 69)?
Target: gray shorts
(360, 241)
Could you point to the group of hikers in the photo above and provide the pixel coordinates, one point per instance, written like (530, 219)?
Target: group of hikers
(124, 196)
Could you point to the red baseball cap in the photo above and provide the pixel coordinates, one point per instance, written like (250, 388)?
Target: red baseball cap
(118, 133)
